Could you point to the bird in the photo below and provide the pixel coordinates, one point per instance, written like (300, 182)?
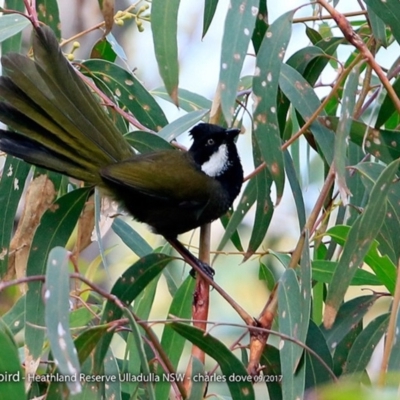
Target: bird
(55, 122)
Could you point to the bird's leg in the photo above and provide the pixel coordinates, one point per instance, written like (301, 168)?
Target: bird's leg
(193, 261)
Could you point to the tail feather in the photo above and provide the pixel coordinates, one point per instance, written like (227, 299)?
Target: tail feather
(47, 103)
(34, 153)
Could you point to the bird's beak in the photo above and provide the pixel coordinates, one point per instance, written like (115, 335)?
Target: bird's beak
(232, 133)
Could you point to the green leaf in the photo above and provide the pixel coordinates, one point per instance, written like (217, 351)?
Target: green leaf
(237, 379)
(10, 366)
(188, 101)
(388, 11)
(342, 349)
(49, 14)
(146, 142)
(261, 25)
(316, 374)
(129, 91)
(247, 200)
(235, 42)
(361, 352)
(131, 238)
(322, 271)
(209, 10)
(296, 189)
(11, 188)
(103, 50)
(349, 315)
(55, 228)
(142, 354)
(360, 238)
(390, 231)
(304, 99)
(57, 317)
(126, 289)
(172, 342)
(378, 28)
(265, 88)
(387, 108)
(264, 212)
(290, 323)
(343, 130)
(270, 360)
(182, 124)
(15, 318)
(164, 21)
(112, 389)
(12, 24)
(394, 360)
(383, 267)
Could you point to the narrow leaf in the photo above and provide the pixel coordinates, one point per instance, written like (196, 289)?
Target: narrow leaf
(57, 317)
(359, 240)
(164, 21)
(237, 379)
(54, 230)
(235, 42)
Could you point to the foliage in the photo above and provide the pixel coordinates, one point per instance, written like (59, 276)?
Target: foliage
(73, 337)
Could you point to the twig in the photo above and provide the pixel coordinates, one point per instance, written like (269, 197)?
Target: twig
(391, 332)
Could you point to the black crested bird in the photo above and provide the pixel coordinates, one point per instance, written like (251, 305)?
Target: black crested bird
(58, 124)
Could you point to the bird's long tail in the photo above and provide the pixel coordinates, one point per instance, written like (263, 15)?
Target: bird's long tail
(57, 122)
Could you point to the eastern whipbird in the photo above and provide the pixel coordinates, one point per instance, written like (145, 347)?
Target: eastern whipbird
(57, 123)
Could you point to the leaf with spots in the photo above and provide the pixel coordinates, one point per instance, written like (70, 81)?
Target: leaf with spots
(129, 91)
(238, 28)
(265, 89)
(381, 143)
(240, 388)
(261, 25)
(11, 188)
(126, 289)
(56, 297)
(15, 318)
(188, 101)
(383, 267)
(349, 315)
(56, 227)
(361, 352)
(164, 25)
(343, 131)
(289, 306)
(306, 102)
(359, 240)
(48, 13)
(390, 232)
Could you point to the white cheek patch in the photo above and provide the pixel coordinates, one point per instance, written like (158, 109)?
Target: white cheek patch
(217, 163)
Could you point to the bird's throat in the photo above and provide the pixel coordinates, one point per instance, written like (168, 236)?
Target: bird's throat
(218, 162)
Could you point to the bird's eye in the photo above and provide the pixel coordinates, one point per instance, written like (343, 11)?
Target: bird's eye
(210, 142)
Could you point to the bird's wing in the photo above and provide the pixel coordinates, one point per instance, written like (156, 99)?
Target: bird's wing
(171, 175)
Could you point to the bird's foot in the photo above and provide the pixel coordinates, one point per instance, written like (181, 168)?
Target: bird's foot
(205, 268)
